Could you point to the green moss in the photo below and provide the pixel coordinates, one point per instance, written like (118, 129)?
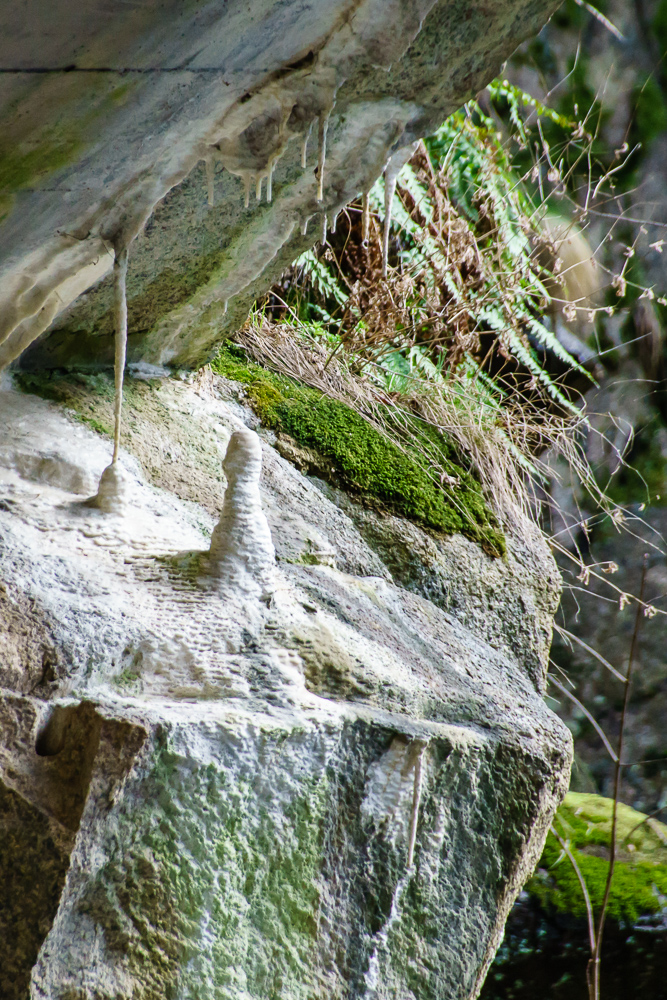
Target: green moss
(361, 458)
(26, 160)
(20, 168)
(640, 873)
(75, 390)
(202, 894)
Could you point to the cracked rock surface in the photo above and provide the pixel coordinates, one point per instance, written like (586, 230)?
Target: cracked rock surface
(332, 786)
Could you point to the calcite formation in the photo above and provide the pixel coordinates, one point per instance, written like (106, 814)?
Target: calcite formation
(230, 768)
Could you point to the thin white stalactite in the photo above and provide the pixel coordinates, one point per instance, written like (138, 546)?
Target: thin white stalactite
(210, 179)
(416, 801)
(365, 217)
(269, 180)
(390, 180)
(120, 319)
(323, 126)
(304, 148)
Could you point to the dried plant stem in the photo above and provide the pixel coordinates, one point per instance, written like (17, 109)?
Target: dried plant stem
(646, 819)
(584, 889)
(593, 971)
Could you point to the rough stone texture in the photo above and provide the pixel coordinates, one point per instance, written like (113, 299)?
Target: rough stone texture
(91, 160)
(218, 794)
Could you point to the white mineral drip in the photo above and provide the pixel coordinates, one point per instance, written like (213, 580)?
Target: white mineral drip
(391, 172)
(247, 181)
(269, 180)
(258, 186)
(333, 222)
(114, 486)
(304, 225)
(365, 217)
(120, 318)
(416, 801)
(241, 555)
(210, 178)
(304, 147)
(323, 125)
(224, 307)
(388, 793)
(324, 229)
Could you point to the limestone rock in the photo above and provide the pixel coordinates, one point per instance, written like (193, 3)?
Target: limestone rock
(337, 788)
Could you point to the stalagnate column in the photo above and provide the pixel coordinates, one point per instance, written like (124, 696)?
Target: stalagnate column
(114, 488)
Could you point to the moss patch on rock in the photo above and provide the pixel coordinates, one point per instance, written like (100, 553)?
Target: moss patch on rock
(640, 873)
(361, 458)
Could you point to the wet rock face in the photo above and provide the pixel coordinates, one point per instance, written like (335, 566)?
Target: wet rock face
(217, 140)
(322, 783)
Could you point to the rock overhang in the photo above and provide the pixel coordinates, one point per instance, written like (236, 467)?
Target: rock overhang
(148, 100)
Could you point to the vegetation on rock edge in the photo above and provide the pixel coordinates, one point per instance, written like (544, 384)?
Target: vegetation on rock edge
(364, 460)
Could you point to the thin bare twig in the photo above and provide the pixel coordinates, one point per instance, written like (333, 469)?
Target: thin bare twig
(584, 888)
(594, 964)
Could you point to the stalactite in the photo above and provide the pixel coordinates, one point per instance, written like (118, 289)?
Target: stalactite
(416, 800)
(247, 181)
(389, 191)
(304, 147)
(365, 217)
(391, 172)
(304, 225)
(210, 179)
(115, 487)
(333, 222)
(269, 179)
(120, 319)
(258, 186)
(323, 125)
(324, 229)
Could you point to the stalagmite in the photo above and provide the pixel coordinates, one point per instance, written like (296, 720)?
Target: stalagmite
(365, 217)
(323, 126)
(242, 557)
(210, 179)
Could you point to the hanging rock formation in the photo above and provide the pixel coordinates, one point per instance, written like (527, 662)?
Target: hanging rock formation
(152, 126)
